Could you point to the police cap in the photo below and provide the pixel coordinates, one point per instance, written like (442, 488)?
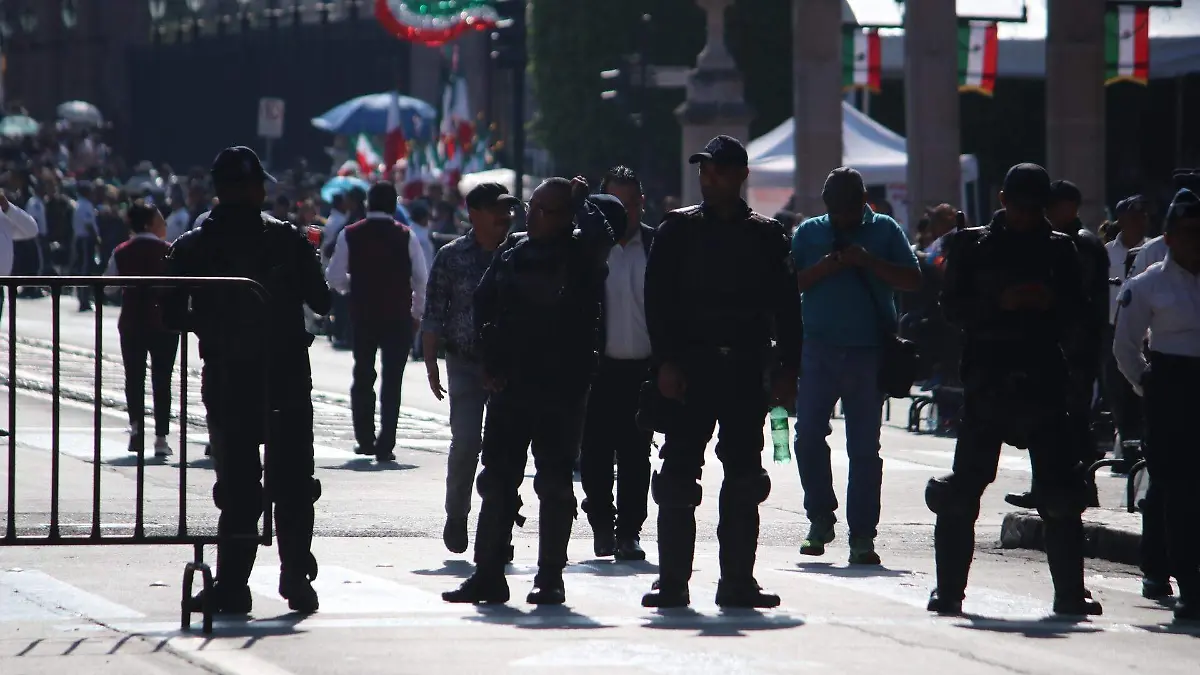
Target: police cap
(723, 150)
(487, 195)
(1065, 191)
(613, 210)
(1186, 204)
(1027, 185)
(1133, 204)
(238, 165)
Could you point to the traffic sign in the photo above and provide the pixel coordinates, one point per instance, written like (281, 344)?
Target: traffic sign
(270, 118)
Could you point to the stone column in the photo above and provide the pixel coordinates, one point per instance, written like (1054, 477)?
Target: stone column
(816, 97)
(1075, 141)
(425, 74)
(931, 105)
(715, 101)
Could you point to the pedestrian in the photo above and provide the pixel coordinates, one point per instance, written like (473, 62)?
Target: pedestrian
(611, 431)
(1125, 406)
(256, 371)
(449, 323)
(379, 265)
(719, 287)
(1165, 301)
(143, 334)
(537, 313)
(1084, 347)
(85, 229)
(850, 264)
(1014, 289)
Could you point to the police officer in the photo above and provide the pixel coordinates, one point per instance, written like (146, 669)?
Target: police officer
(256, 368)
(1165, 300)
(1085, 344)
(1014, 289)
(719, 286)
(537, 311)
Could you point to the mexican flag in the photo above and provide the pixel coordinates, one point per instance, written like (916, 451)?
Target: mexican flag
(861, 59)
(367, 156)
(1127, 45)
(978, 45)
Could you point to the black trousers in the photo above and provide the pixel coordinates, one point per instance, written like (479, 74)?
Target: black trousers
(1123, 403)
(1172, 451)
(549, 425)
(160, 347)
(611, 431)
(243, 401)
(729, 390)
(1085, 369)
(1057, 476)
(84, 257)
(392, 346)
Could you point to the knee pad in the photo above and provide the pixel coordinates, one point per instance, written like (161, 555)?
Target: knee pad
(1062, 504)
(673, 492)
(945, 498)
(316, 490)
(488, 484)
(749, 489)
(229, 495)
(550, 490)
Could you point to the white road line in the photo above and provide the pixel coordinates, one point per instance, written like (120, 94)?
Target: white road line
(614, 654)
(345, 591)
(30, 595)
(229, 658)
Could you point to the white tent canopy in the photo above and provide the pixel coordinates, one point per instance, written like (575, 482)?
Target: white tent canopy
(878, 153)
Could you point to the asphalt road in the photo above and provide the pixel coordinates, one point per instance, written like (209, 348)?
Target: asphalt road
(114, 609)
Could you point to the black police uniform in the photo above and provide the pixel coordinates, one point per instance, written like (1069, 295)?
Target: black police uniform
(256, 369)
(1015, 381)
(537, 310)
(1085, 350)
(717, 291)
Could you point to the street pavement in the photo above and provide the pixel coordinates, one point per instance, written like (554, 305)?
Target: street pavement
(115, 609)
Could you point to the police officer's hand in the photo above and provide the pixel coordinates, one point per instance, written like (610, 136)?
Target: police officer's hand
(854, 256)
(671, 382)
(435, 381)
(579, 189)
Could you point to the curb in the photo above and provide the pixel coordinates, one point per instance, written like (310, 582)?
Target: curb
(1100, 540)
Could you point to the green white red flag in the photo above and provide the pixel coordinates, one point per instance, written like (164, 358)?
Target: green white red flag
(366, 155)
(1127, 44)
(861, 59)
(978, 49)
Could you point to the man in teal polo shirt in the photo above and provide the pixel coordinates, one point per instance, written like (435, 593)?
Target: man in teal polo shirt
(850, 261)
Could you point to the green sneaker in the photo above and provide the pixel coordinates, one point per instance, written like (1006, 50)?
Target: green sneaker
(862, 551)
(820, 533)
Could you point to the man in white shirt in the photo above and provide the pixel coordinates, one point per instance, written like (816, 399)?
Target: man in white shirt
(1165, 302)
(86, 232)
(36, 208)
(15, 225)
(611, 430)
(1133, 221)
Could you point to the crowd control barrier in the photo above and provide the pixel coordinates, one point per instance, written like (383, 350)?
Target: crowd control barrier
(97, 536)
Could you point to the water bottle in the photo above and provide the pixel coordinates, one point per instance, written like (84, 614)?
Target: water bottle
(780, 437)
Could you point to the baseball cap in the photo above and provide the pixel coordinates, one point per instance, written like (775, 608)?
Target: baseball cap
(613, 210)
(725, 150)
(239, 164)
(1134, 204)
(487, 195)
(1186, 204)
(1065, 191)
(844, 189)
(1027, 185)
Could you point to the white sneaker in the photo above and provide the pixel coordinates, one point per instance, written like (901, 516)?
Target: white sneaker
(162, 448)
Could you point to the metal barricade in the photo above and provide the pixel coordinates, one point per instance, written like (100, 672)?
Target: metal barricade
(96, 537)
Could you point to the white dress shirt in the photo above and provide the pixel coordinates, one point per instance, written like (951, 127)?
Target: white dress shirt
(1152, 251)
(338, 272)
(83, 224)
(1164, 300)
(626, 336)
(15, 225)
(1117, 253)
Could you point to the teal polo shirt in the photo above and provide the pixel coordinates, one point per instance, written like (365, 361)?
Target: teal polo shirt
(837, 310)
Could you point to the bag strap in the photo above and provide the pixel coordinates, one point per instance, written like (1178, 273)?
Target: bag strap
(885, 321)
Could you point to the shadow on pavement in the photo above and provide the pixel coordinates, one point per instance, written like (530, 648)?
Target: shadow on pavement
(608, 567)
(369, 465)
(852, 572)
(726, 623)
(1048, 627)
(539, 618)
(131, 460)
(450, 568)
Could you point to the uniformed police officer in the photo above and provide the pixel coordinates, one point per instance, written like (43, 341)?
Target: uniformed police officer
(1014, 289)
(256, 370)
(1165, 300)
(719, 286)
(537, 311)
(1084, 346)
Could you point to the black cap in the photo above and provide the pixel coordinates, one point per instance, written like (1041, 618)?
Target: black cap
(239, 164)
(844, 189)
(613, 210)
(1065, 191)
(1134, 204)
(1186, 204)
(724, 150)
(1027, 185)
(487, 195)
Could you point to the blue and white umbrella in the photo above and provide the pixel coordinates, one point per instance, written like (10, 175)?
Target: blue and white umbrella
(18, 126)
(340, 185)
(369, 115)
(81, 113)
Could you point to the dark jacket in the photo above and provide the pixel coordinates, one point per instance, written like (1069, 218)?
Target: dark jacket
(713, 285)
(1085, 345)
(380, 275)
(141, 308)
(229, 321)
(537, 308)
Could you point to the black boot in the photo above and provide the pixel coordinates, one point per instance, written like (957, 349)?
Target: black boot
(666, 597)
(1187, 610)
(548, 589)
(298, 591)
(954, 548)
(676, 550)
(630, 548)
(294, 520)
(745, 594)
(1064, 554)
(554, 535)
(604, 541)
(1022, 500)
(485, 586)
(1156, 589)
(737, 534)
(943, 607)
(226, 599)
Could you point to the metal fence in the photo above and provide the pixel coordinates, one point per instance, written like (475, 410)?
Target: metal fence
(96, 537)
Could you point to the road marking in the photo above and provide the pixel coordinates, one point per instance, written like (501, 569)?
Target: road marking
(1121, 584)
(345, 591)
(654, 659)
(229, 658)
(81, 446)
(30, 595)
